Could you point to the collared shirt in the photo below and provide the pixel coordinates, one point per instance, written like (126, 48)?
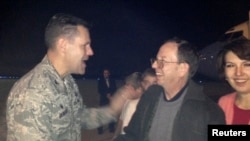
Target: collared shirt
(42, 106)
(107, 82)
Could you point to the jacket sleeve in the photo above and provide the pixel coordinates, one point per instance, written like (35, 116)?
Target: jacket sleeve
(99, 86)
(217, 115)
(114, 87)
(92, 118)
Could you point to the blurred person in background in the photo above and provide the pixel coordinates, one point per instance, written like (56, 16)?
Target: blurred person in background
(106, 88)
(148, 78)
(140, 82)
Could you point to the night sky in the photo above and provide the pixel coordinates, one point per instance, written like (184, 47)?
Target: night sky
(125, 33)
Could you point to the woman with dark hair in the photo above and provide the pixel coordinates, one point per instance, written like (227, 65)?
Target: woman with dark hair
(234, 66)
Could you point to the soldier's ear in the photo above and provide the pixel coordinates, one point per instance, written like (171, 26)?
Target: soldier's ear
(62, 45)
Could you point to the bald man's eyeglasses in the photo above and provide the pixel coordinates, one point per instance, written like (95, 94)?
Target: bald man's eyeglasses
(160, 63)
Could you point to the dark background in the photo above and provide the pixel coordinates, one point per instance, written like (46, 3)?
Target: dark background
(125, 33)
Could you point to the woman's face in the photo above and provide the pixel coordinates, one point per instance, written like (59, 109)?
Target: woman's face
(237, 73)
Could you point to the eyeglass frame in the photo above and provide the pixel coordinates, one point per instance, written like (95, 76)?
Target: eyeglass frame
(161, 62)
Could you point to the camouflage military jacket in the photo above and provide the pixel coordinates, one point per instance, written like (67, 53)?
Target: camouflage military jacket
(44, 107)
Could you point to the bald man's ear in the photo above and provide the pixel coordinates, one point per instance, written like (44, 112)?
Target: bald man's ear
(184, 68)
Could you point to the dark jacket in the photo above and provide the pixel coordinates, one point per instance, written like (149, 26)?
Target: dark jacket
(103, 90)
(196, 113)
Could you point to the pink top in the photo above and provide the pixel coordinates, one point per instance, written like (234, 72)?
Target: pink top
(226, 102)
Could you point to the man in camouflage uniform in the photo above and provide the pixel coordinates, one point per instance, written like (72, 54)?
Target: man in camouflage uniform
(45, 104)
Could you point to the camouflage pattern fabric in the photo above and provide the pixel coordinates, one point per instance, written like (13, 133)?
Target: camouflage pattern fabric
(44, 107)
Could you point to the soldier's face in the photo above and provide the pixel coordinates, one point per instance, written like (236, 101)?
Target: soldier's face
(78, 51)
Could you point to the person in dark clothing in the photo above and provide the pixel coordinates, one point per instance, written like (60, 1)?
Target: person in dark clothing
(176, 109)
(106, 88)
